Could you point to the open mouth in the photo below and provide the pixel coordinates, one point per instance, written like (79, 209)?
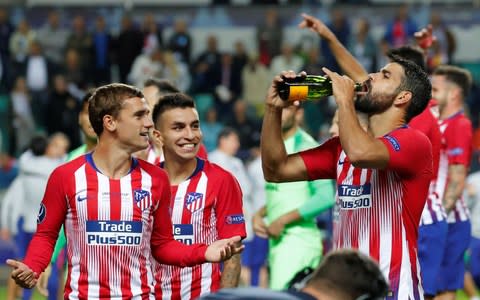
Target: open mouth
(365, 88)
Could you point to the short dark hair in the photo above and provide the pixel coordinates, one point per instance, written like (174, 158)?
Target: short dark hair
(416, 81)
(411, 53)
(38, 144)
(226, 132)
(351, 273)
(86, 98)
(171, 101)
(164, 86)
(459, 76)
(108, 100)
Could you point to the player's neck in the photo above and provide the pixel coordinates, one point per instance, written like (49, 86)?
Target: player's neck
(381, 124)
(111, 161)
(449, 110)
(178, 171)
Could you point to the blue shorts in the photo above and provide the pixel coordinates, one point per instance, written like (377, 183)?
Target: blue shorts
(255, 252)
(452, 271)
(22, 239)
(474, 261)
(431, 245)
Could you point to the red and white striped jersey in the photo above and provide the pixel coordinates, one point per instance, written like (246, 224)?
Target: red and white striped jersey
(114, 228)
(456, 148)
(427, 123)
(204, 208)
(378, 211)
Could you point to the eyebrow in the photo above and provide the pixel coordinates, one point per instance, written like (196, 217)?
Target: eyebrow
(141, 112)
(384, 71)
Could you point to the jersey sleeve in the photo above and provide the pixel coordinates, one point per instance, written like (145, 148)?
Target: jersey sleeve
(51, 216)
(229, 208)
(59, 245)
(323, 198)
(459, 143)
(321, 161)
(409, 151)
(164, 248)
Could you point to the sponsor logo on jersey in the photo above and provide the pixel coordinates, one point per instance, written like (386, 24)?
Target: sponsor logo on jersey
(42, 213)
(354, 196)
(183, 233)
(142, 199)
(81, 198)
(235, 219)
(394, 142)
(114, 233)
(193, 201)
(455, 151)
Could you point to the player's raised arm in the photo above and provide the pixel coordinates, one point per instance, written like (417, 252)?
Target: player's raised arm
(344, 58)
(277, 165)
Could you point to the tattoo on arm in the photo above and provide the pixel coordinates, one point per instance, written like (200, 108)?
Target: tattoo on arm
(456, 182)
(231, 272)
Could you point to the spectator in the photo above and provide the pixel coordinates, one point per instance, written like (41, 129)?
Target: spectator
(81, 41)
(401, 29)
(128, 46)
(23, 122)
(255, 79)
(152, 34)
(52, 36)
(269, 37)
(102, 48)
(19, 45)
(181, 42)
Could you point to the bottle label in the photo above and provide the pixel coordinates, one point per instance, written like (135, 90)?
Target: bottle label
(298, 92)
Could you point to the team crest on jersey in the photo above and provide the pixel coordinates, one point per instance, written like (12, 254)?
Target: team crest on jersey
(42, 213)
(142, 199)
(194, 201)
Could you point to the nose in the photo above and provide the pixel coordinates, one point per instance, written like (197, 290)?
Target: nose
(148, 123)
(190, 134)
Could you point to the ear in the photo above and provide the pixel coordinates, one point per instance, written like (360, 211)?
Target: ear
(109, 123)
(403, 98)
(157, 138)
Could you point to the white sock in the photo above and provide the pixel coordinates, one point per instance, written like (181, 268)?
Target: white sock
(475, 298)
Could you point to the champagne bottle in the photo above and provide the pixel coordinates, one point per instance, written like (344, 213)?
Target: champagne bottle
(310, 87)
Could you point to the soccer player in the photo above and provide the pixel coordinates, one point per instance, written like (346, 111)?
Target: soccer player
(290, 210)
(382, 175)
(206, 202)
(450, 86)
(114, 209)
(433, 225)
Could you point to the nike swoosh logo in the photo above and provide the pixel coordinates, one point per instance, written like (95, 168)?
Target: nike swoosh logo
(341, 162)
(80, 198)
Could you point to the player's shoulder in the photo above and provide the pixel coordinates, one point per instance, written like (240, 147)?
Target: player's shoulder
(216, 172)
(463, 122)
(151, 169)
(71, 166)
(408, 135)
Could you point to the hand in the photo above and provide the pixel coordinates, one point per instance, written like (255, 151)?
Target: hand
(425, 37)
(43, 281)
(273, 99)
(343, 87)
(259, 226)
(22, 274)
(316, 26)
(276, 228)
(224, 249)
(5, 234)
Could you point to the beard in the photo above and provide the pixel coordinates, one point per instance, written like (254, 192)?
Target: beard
(374, 103)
